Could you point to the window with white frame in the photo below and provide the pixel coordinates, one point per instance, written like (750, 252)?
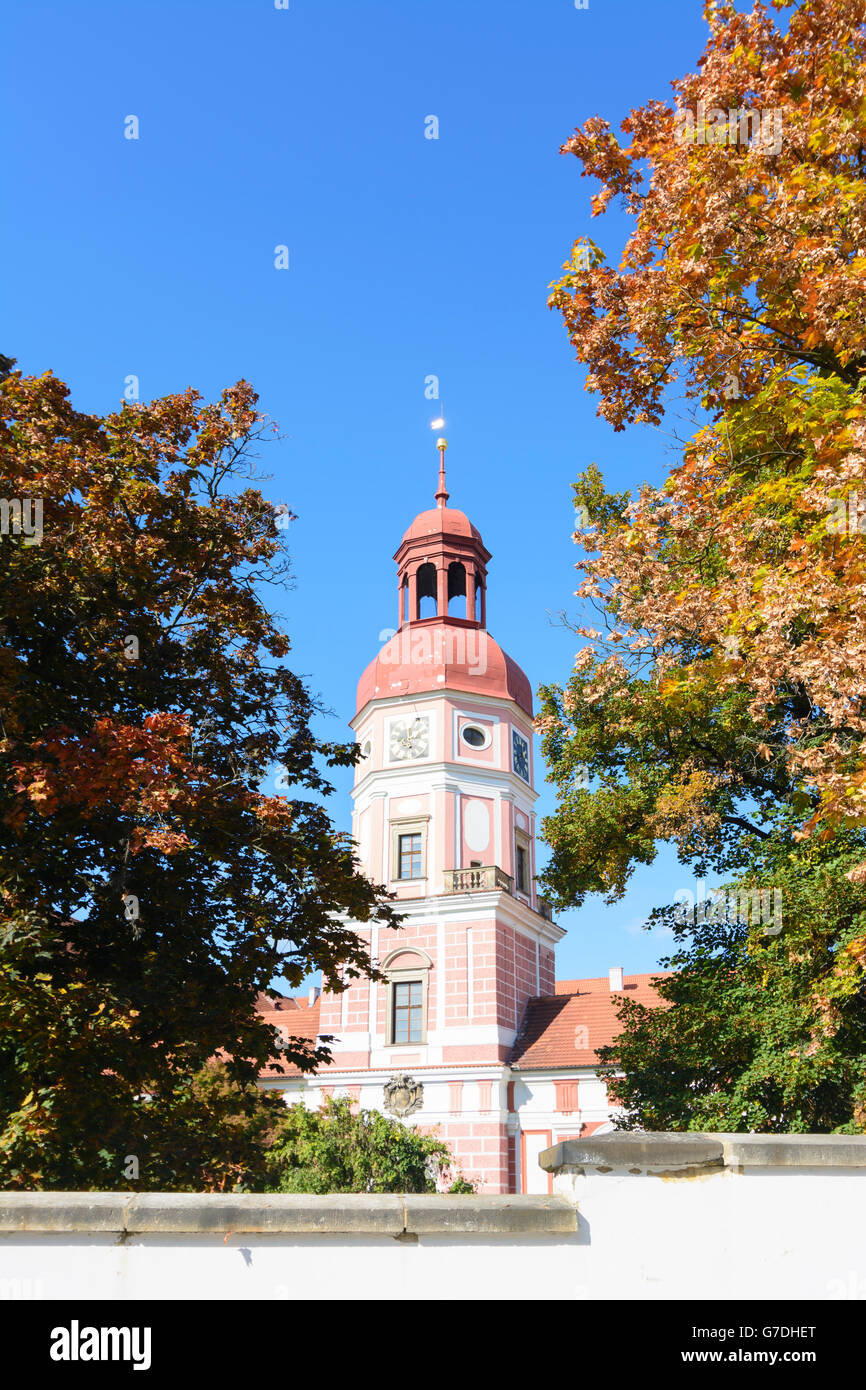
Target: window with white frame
(408, 849)
(408, 989)
(408, 1007)
(522, 863)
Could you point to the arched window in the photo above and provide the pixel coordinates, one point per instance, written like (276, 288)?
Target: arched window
(408, 973)
(457, 605)
(426, 591)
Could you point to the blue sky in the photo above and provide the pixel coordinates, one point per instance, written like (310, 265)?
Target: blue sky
(408, 257)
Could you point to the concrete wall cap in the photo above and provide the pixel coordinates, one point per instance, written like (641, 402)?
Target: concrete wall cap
(63, 1211)
(630, 1149)
(667, 1152)
(387, 1214)
(514, 1215)
(794, 1150)
(300, 1213)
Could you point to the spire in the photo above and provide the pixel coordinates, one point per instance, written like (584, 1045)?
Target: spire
(441, 493)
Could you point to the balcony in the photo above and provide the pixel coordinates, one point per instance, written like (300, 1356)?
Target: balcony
(482, 880)
(485, 879)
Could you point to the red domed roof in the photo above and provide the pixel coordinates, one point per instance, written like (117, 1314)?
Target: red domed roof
(441, 655)
(441, 521)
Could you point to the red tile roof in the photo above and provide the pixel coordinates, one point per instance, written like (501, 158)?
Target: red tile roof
(558, 1030)
(293, 1016)
(565, 1029)
(267, 1004)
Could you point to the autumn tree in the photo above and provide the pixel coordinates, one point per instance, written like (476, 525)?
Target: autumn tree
(718, 701)
(745, 281)
(149, 888)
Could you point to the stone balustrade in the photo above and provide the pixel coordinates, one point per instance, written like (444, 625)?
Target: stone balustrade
(484, 879)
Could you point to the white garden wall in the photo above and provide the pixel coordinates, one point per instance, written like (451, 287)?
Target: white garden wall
(632, 1217)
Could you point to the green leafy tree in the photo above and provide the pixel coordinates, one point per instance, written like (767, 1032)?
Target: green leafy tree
(334, 1150)
(150, 889)
(755, 1032)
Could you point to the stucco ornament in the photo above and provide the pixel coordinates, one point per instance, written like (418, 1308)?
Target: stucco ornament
(403, 1095)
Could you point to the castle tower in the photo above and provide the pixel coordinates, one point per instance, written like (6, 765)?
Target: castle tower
(444, 817)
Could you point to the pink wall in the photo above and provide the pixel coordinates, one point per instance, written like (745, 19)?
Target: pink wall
(472, 811)
(481, 1152)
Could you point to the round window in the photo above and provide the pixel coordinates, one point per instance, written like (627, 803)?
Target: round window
(475, 737)
(367, 749)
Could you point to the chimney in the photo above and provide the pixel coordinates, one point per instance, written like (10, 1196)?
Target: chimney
(313, 995)
(615, 974)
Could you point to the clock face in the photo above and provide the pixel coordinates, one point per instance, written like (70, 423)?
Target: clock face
(410, 738)
(520, 755)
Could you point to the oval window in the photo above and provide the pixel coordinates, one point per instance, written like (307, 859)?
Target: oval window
(475, 737)
(367, 749)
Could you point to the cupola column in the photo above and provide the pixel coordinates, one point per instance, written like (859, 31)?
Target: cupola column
(442, 590)
(413, 593)
(470, 594)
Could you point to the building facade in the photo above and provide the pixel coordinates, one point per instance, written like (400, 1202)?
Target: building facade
(469, 1034)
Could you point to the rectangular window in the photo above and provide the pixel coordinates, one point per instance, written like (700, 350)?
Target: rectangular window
(409, 856)
(408, 1011)
(520, 867)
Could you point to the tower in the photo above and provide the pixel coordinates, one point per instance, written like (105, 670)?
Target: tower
(444, 817)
